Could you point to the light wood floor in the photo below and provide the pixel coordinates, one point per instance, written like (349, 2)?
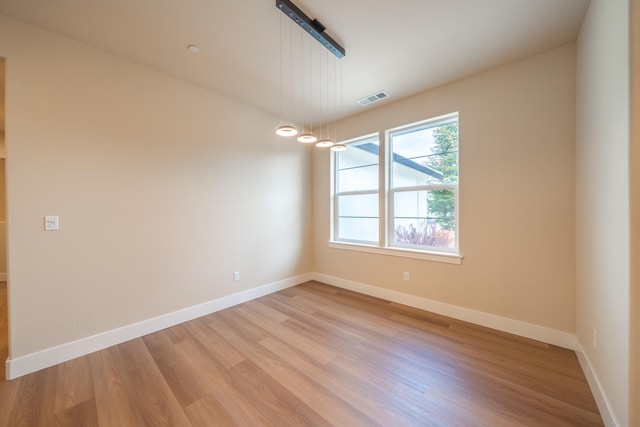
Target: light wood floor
(312, 355)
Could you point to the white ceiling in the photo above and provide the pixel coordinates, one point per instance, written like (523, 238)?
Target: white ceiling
(400, 46)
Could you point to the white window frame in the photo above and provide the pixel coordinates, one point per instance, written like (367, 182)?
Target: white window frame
(390, 191)
(335, 230)
(385, 199)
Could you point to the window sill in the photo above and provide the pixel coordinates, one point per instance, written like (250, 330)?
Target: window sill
(399, 252)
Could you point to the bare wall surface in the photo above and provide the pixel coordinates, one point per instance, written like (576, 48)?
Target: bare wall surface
(602, 199)
(634, 191)
(163, 191)
(516, 195)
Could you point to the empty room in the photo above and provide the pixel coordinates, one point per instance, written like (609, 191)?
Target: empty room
(327, 213)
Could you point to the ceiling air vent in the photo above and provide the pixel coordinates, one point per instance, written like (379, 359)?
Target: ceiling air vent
(367, 100)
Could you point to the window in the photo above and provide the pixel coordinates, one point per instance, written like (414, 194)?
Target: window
(356, 192)
(419, 194)
(423, 185)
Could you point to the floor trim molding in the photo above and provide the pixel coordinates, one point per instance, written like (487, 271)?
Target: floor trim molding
(604, 406)
(52, 356)
(516, 327)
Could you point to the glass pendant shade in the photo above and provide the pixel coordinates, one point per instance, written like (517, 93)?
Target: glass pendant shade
(323, 143)
(307, 138)
(287, 130)
(339, 147)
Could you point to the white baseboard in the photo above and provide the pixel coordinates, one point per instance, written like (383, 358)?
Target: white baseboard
(516, 327)
(52, 356)
(524, 329)
(606, 412)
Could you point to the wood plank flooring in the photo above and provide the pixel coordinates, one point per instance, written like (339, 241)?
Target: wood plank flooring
(312, 355)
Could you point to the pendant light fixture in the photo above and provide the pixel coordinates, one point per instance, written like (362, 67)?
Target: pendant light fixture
(287, 130)
(328, 142)
(317, 31)
(306, 137)
(325, 143)
(338, 147)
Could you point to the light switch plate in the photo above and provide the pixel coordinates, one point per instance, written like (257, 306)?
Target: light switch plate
(51, 223)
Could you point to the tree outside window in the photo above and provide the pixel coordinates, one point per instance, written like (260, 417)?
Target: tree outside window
(424, 209)
(420, 197)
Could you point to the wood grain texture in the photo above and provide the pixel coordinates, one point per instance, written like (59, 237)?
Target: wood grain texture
(312, 355)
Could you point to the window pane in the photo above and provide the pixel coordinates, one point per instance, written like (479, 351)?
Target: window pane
(424, 156)
(424, 218)
(410, 204)
(410, 173)
(358, 166)
(422, 187)
(357, 171)
(360, 229)
(363, 153)
(358, 179)
(362, 205)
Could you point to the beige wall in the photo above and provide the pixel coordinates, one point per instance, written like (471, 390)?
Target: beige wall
(634, 191)
(163, 190)
(3, 204)
(602, 198)
(3, 220)
(516, 195)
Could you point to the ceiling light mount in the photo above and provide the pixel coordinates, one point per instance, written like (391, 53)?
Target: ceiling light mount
(311, 26)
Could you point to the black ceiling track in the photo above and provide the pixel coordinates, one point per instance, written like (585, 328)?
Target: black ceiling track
(311, 26)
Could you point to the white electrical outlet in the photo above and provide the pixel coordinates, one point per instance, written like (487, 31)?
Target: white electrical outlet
(51, 223)
(406, 276)
(594, 339)
(236, 276)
